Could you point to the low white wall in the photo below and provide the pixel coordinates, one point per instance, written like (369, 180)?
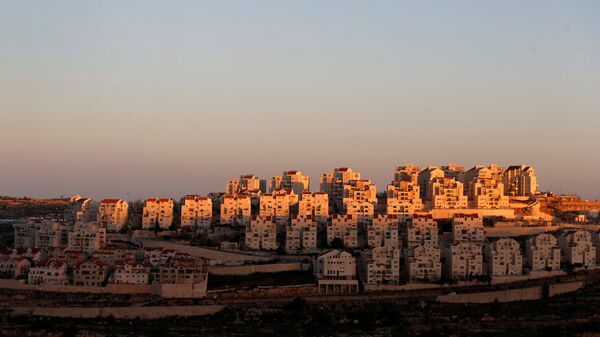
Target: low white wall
(118, 312)
(256, 268)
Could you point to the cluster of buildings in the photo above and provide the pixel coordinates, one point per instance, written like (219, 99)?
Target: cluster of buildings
(418, 251)
(79, 254)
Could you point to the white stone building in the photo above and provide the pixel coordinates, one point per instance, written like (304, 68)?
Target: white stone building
(422, 264)
(236, 210)
(112, 214)
(335, 271)
(503, 257)
(446, 193)
(520, 180)
(577, 248)
(196, 212)
(87, 237)
(467, 228)
(53, 272)
(381, 265)
(344, 227)
(463, 260)
(132, 272)
(384, 231)
(420, 230)
(301, 234)
(314, 204)
(261, 234)
(543, 253)
(158, 213)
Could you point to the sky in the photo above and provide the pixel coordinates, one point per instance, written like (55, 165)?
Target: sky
(136, 99)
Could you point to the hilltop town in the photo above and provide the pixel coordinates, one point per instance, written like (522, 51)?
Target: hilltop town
(432, 227)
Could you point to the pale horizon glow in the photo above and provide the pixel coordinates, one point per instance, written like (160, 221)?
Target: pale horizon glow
(139, 99)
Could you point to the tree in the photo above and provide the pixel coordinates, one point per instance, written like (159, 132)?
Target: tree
(337, 243)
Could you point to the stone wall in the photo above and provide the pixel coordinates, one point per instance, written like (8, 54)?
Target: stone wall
(284, 291)
(256, 268)
(119, 312)
(109, 289)
(521, 294)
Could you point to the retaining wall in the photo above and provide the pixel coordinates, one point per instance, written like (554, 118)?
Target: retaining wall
(118, 312)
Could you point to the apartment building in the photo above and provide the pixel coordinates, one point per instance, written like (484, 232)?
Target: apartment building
(261, 233)
(24, 236)
(315, 204)
(577, 248)
(493, 172)
(87, 237)
(158, 213)
(363, 211)
(463, 260)
(467, 228)
(503, 257)
(82, 209)
(420, 230)
(335, 271)
(446, 193)
(403, 197)
(422, 263)
(236, 210)
(345, 228)
(112, 214)
(14, 267)
(384, 231)
(408, 172)
(196, 212)
(183, 269)
(426, 177)
(543, 253)
(90, 273)
(53, 272)
(487, 193)
(51, 234)
(301, 234)
(333, 184)
(277, 205)
(246, 183)
(293, 180)
(520, 181)
(381, 265)
(132, 272)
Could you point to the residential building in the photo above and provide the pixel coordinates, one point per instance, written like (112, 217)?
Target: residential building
(453, 171)
(132, 272)
(90, 273)
(277, 205)
(446, 193)
(345, 228)
(543, 253)
(381, 265)
(301, 234)
(14, 267)
(53, 272)
(487, 193)
(467, 228)
(112, 214)
(520, 181)
(261, 233)
(51, 234)
(463, 260)
(158, 213)
(315, 204)
(384, 231)
(335, 271)
(363, 211)
(577, 248)
(408, 172)
(182, 270)
(196, 212)
(420, 230)
(503, 257)
(293, 180)
(236, 210)
(425, 178)
(82, 209)
(247, 183)
(422, 263)
(87, 237)
(333, 184)
(403, 198)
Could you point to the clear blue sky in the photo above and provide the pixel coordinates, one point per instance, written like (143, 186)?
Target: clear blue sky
(162, 98)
